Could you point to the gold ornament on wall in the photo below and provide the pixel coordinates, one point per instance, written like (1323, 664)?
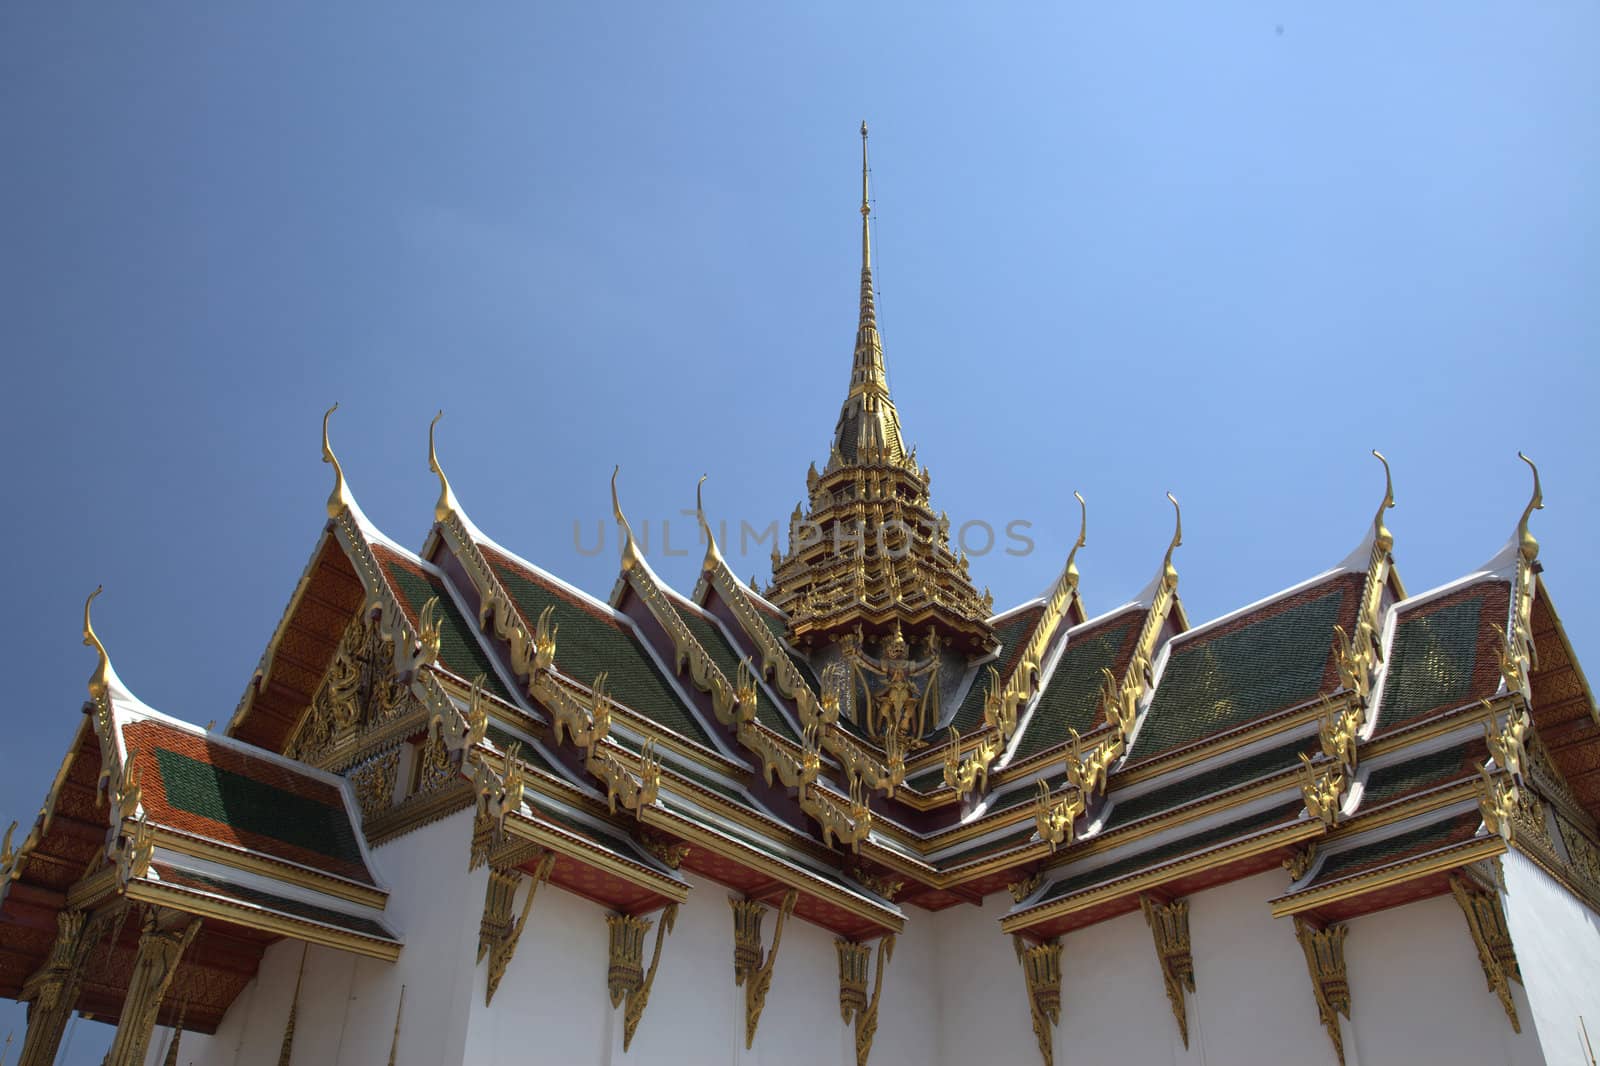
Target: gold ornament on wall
(752, 968)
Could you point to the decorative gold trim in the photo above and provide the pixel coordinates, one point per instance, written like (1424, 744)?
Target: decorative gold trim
(1324, 951)
(1041, 968)
(1169, 925)
(1486, 920)
(752, 967)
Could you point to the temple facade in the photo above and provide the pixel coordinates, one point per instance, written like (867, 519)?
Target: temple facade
(468, 813)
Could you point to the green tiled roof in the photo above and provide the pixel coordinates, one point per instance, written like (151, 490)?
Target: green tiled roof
(253, 806)
(1177, 848)
(711, 638)
(1212, 684)
(1072, 698)
(1432, 662)
(1230, 775)
(459, 649)
(525, 751)
(928, 780)
(1012, 636)
(1425, 771)
(1393, 849)
(989, 847)
(1018, 796)
(778, 629)
(588, 644)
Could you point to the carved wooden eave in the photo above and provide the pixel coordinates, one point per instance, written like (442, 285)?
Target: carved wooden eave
(821, 901)
(1386, 887)
(1246, 854)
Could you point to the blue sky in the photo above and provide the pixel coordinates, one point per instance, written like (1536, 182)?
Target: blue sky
(1220, 249)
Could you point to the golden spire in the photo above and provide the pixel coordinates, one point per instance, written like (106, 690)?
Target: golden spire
(868, 420)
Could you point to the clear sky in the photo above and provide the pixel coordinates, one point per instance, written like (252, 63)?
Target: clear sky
(1221, 249)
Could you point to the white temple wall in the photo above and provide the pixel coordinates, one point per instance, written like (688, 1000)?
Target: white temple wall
(954, 993)
(552, 1005)
(983, 1005)
(1253, 1001)
(1558, 950)
(1418, 995)
(1418, 992)
(348, 1004)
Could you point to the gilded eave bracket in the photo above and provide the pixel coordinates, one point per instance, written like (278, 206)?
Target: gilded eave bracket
(1486, 920)
(1330, 984)
(853, 1002)
(1169, 925)
(1041, 968)
(498, 932)
(752, 967)
(627, 979)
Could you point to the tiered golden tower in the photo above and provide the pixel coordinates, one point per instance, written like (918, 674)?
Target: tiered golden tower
(869, 572)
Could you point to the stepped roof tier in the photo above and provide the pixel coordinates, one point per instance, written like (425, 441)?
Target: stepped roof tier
(864, 740)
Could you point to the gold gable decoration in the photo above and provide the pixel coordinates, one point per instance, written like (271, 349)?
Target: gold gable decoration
(359, 690)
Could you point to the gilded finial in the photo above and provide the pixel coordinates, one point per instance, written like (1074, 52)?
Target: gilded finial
(100, 680)
(868, 312)
(1526, 544)
(339, 499)
(1083, 534)
(865, 209)
(1384, 539)
(447, 499)
(1169, 574)
(630, 551)
(713, 556)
